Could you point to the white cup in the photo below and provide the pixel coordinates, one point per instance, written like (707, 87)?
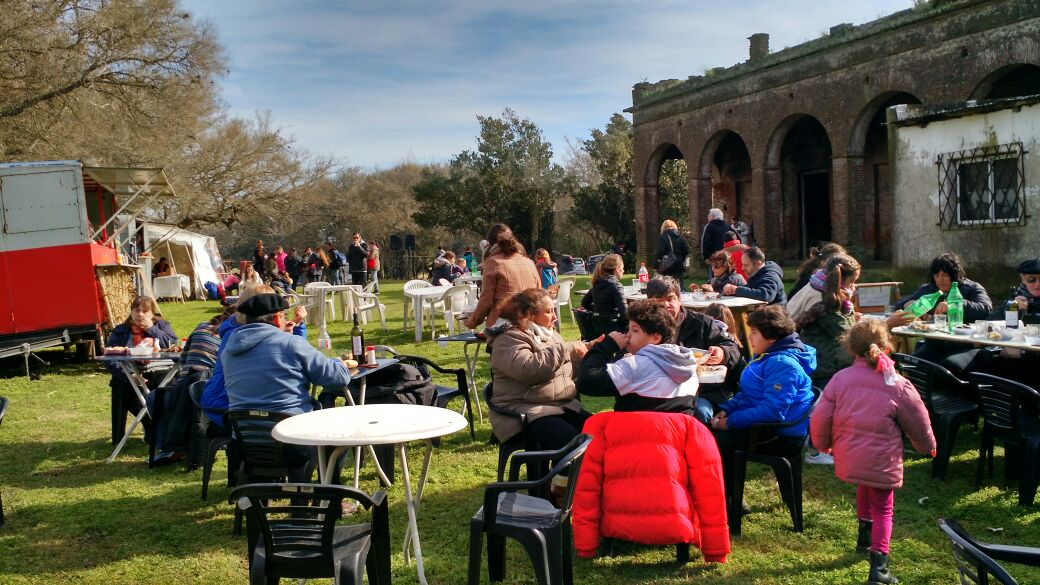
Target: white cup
(981, 328)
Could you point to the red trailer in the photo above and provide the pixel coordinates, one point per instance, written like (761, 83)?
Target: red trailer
(57, 232)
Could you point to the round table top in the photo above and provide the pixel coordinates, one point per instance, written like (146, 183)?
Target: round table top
(368, 424)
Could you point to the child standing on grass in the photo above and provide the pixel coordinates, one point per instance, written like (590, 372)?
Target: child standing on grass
(862, 415)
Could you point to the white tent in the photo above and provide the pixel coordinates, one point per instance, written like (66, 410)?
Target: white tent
(189, 253)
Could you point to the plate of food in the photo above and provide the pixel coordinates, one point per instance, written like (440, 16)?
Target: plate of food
(965, 330)
(711, 374)
(920, 326)
(115, 350)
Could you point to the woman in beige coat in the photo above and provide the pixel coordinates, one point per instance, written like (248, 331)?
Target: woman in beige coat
(506, 271)
(531, 366)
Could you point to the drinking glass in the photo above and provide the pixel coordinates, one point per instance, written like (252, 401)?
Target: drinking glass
(941, 323)
(981, 328)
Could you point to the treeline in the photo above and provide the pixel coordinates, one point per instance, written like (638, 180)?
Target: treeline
(135, 84)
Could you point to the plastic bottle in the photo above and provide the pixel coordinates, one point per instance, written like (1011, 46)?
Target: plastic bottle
(1011, 311)
(955, 307)
(924, 304)
(644, 275)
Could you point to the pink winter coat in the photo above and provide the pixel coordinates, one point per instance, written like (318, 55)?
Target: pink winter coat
(863, 421)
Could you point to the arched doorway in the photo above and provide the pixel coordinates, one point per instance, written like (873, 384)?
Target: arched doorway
(667, 192)
(1009, 81)
(801, 149)
(727, 162)
(870, 138)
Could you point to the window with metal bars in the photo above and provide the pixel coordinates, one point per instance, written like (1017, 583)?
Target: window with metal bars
(982, 187)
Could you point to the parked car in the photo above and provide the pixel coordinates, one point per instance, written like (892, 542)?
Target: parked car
(590, 264)
(579, 267)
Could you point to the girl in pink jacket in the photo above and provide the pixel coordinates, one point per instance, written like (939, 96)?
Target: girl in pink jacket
(862, 415)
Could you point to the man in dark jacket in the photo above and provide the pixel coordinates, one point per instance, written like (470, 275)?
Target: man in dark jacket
(713, 238)
(765, 279)
(357, 260)
(697, 330)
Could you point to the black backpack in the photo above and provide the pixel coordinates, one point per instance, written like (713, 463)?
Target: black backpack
(398, 383)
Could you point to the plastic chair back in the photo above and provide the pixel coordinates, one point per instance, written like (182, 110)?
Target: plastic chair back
(973, 565)
(414, 284)
(564, 296)
(930, 378)
(260, 453)
(1001, 401)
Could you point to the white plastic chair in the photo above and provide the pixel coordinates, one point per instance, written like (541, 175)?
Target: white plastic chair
(443, 282)
(563, 298)
(314, 288)
(456, 301)
(365, 302)
(411, 285)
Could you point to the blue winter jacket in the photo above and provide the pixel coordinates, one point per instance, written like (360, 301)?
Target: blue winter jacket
(214, 397)
(775, 387)
(265, 369)
(122, 336)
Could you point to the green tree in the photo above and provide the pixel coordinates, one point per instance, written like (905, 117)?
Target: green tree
(604, 198)
(510, 177)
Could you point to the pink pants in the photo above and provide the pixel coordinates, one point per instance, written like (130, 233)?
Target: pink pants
(876, 504)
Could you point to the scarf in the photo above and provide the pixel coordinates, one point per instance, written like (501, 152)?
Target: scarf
(818, 279)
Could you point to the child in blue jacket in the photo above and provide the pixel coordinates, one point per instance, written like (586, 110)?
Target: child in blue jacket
(774, 388)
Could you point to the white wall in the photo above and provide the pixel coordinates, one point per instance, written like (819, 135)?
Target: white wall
(916, 234)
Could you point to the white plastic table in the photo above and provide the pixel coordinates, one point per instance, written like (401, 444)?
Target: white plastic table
(419, 297)
(348, 427)
(133, 367)
(174, 286)
(1014, 343)
(740, 306)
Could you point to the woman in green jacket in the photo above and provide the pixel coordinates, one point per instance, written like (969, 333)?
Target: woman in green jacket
(825, 324)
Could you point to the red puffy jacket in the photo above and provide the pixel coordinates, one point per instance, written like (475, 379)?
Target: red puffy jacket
(652, 478)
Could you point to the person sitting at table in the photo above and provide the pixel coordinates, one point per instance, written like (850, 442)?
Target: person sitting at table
(214, 397)
(655, 375)
(698, 330)
(765, 279)
(810, 296)
(725, 320)
(959, 358)
(281, 282)
(736, 250)
(264, 369)
(442, 268)
(723, 272)
(506, 270)
(606, 298)
(251, 278)
(232, 282)
(458, 270)
(774, 387)
(815, 263)
(532, 371)
(144, 325)
(161, 268)
(1027, 295)
(825, 323)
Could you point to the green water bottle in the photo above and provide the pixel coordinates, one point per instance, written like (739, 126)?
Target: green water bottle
(924, 304)
(954, 308)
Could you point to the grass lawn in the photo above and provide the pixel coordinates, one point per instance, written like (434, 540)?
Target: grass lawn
(72, 518)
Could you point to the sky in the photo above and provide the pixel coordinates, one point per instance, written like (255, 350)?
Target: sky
(380, 82)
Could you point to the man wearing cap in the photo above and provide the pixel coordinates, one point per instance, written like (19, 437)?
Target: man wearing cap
(265, 369)
(1028, 292)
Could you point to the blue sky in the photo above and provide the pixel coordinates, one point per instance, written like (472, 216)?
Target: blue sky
(375, 83)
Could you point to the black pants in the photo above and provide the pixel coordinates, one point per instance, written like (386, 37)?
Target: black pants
(359, 278)
(554, 432)
(734, 439)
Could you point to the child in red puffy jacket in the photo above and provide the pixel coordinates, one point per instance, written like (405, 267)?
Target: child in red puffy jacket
(862, 415)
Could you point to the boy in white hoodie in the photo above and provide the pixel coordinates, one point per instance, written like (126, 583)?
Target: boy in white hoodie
(654, 376)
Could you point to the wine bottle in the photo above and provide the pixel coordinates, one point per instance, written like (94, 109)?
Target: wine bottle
(357, 338)
(1011, 311)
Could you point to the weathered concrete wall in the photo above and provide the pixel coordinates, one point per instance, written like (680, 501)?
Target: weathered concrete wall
(915, 149)
(934, 55)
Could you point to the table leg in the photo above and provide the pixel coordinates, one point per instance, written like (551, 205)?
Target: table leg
(131, 375)
(412, 507)
(357, 450)
(417, 310)
(741, 315)
(471, 368)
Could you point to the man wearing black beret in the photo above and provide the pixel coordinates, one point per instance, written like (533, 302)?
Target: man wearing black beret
(267, 369)
(1028, 292)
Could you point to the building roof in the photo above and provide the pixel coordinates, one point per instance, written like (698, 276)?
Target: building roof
(922, 114)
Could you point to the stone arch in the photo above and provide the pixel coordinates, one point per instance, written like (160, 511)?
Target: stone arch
(1008, 81)
(799, 155)
(725, 163)
(869, 179)
(650, 201)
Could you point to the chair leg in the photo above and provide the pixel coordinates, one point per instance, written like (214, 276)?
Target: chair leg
(796, 484)
(207, 465)
(982, 459)
(736, 502)
(682, 553)
(546, 557)
(1, 509)
(469, 415)
(568, 552)
(1027, 483)
(496, 557)
(476, 548)
(946, 435)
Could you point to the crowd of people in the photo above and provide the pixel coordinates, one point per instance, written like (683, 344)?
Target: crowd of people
(799, 341)
(288, 270)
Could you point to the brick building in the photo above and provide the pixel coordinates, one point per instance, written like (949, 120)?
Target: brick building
(796, 141)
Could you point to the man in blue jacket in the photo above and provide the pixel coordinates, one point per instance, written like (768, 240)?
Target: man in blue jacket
(265, 369)
(765, 279)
